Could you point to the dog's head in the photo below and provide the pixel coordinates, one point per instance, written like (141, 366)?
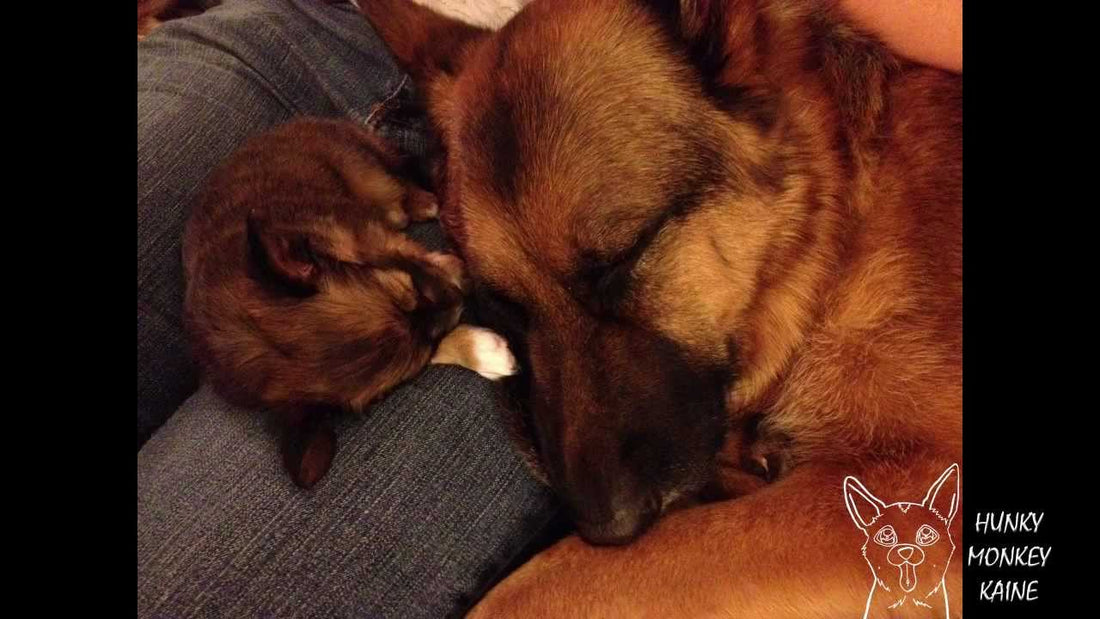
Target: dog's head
(608, 175)
(908, 545)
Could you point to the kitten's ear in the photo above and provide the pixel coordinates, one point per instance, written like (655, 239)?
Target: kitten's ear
(863, 507)
(943, 496)
(297, 256)
(425, 43)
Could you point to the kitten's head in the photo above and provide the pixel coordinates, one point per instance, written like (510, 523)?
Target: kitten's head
(331, 313)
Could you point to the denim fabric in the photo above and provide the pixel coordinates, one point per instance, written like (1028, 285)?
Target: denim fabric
(426, 504)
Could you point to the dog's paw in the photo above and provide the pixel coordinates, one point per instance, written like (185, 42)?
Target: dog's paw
(477, 349)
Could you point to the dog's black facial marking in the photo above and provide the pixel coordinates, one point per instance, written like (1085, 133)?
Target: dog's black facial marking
(602, 286)
(761, 34)
(754, 105)
(813, 59)
(654, 422)
(496, 128)
(772, 174)
(499, 312)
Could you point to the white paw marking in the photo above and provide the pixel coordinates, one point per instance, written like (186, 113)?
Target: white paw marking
(490, 355)
(477, 349)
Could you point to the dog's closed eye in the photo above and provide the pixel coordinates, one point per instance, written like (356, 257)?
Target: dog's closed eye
(602, 285)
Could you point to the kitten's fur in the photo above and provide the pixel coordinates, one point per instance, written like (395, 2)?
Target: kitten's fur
(147, 13)
(302, 294)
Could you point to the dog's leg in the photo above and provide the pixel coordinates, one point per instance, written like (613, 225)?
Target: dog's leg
(787, 550)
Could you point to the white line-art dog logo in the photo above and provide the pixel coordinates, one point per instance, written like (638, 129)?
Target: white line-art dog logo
(908, 545)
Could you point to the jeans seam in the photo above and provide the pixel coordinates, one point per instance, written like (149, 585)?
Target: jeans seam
(381, 105)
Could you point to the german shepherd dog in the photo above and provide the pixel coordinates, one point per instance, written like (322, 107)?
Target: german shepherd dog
(686, 215)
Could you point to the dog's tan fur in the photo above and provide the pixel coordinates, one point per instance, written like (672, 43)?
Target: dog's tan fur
(813, 249)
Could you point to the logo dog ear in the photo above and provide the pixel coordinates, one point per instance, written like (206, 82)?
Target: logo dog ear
(943, 496)
(425, 43)
(863, 507)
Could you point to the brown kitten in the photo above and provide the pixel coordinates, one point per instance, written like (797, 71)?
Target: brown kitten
(303, 296)
(152, 13)
(147, 13)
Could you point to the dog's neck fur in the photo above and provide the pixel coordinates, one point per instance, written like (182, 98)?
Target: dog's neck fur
(852, 88)
(809, 109)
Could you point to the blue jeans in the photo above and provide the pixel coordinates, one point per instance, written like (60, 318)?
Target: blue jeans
(426, 505)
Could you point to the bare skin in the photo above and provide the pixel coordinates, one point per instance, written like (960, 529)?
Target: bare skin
(926, 31)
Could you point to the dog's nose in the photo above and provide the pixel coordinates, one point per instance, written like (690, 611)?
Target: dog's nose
(610, 501)
(629, 520)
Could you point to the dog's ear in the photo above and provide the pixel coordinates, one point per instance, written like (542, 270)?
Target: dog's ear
(943, 496)
(724, 40)
(297, 256)
(425, 43)
(863, 507)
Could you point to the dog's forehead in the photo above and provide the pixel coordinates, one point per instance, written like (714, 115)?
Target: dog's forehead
(576, 124)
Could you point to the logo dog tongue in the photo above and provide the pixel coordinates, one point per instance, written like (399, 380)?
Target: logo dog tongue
(908, 578)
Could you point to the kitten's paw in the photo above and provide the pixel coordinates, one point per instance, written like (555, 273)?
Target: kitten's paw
(421, 205)
(396, 218)
(453, 266)
(478, 349)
